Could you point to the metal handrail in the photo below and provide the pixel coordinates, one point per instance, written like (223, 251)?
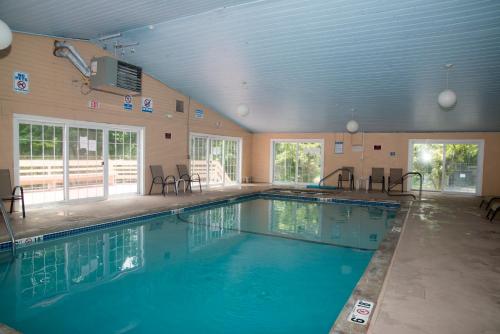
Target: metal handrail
(334, 172)
(401, 180)
(6, 219)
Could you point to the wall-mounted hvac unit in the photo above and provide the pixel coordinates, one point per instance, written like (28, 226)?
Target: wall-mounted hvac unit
(115, 76)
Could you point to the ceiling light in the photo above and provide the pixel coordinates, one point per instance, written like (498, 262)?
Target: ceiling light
(352, 126)
(447, 98)
(5, 35)
(243, 110)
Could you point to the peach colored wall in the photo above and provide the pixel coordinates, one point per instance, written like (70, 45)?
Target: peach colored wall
(55, 92)
(391, 142)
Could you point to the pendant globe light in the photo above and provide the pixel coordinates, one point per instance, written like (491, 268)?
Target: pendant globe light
(447, 99)
(352, 126)
(5, 35)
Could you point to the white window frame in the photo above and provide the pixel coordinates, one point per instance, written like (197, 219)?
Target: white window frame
(271, 159)
(219, 137)
(480, 161)
(66, 124)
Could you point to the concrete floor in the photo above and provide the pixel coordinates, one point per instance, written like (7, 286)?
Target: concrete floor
(445, 275)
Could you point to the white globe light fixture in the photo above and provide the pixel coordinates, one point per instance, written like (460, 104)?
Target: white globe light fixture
(243, 110)
(447, 98)
(352, 126)
(5, 35)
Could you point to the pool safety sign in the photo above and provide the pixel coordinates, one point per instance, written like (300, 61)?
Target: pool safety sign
(127, 103)
(361, 312)
(21, 82)
(199, 113)
(147, 104)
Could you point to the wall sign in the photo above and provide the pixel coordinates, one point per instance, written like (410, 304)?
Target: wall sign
(127, 103)
(392, 154)
(147, 104)
(93, 104)
(199, 113)
(21, 82)
(361, 312)
(377, 147)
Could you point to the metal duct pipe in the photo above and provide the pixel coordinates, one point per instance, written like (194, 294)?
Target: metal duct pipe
(65, 50)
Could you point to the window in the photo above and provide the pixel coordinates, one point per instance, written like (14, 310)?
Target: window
(216, 159)
(447, 166)
(297, 161)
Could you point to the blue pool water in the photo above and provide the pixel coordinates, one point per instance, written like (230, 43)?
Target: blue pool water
(259, 266)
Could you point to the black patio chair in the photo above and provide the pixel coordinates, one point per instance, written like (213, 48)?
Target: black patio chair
(376, 177)
(346, 174)
(395, 177)
(8, 193)
(160, 179)
(189, 179)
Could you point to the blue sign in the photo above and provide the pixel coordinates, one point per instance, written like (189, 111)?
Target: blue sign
(199, 113)
(21, 82)
(127, 103)
(147, 104)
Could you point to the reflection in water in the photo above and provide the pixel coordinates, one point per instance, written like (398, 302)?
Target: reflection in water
(208, 226)
(342, 225)
(64, 267)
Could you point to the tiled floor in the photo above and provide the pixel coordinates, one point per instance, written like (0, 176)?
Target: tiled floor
(444, 277)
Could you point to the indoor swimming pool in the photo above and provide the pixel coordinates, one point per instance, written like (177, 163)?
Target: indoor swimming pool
(254, 265)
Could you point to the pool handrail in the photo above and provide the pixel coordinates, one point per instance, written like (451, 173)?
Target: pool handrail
(401, 180)
(333, 173)
(6, 219)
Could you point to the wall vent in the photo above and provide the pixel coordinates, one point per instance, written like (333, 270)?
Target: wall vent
(179, 106)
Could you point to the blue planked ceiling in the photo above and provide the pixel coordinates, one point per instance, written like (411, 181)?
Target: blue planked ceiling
(301, 66)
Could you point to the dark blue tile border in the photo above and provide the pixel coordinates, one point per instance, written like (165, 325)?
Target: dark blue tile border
(233, 200)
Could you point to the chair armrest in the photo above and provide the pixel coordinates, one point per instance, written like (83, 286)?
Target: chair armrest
(20, 189)
(158, 178)
(188, 178)
(170, 177)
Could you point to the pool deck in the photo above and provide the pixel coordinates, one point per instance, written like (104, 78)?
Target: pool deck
(444, 277)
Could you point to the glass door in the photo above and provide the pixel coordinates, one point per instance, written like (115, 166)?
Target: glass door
(199, 158)
(85, 163)
(428, 160)
(123, 162)
(231, 159)
(40, 162)
(215, 163)
(448, 166)
(297, 162)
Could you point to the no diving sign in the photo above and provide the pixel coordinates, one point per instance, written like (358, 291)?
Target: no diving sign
(361, 312)
(21, 82)
(147, 104)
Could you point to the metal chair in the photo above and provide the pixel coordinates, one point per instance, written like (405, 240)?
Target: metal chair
(189, 179)
(347, 174)
(160, 179)
(8, 193)
(395, 177)
(376, 177)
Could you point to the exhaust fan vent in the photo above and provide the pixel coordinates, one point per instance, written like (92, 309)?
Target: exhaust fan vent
(115, 76)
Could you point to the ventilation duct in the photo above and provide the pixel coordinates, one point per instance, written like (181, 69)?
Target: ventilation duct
(65, 50)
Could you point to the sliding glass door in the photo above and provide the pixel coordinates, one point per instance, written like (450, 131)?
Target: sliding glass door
(297, 162)
(216, 159)
(57, 160)
(447, 166)
(85, 163)
(40, 161)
